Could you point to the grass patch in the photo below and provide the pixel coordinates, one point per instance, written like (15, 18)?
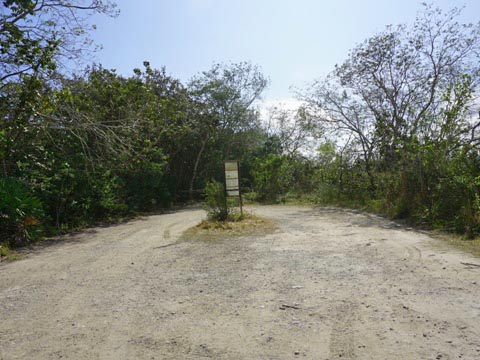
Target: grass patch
(459, 242)
(212, 230)
(7, 254)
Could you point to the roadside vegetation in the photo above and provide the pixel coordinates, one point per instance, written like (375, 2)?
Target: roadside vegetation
(226, 218)
(403, 114)
(393, 129)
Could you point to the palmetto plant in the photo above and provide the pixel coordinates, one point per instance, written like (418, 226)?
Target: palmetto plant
(19, 213)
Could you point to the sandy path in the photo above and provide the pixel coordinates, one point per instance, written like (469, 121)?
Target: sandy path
(327, 284)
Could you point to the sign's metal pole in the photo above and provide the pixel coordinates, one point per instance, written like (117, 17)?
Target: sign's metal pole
(239, 190)
(225, 187)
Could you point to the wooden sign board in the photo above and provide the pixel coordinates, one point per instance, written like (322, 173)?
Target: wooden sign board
(232, 183)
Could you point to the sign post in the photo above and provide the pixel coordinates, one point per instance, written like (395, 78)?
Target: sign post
(232, 181)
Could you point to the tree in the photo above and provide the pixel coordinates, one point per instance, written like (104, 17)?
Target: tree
(40, 35)
(294, 129)
(405, 101)
(222, 107)
(37, 37)
(390, 92)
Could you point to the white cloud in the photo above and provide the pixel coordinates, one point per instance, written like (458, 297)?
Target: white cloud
(280, 103)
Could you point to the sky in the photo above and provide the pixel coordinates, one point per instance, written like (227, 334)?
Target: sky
(292, 41)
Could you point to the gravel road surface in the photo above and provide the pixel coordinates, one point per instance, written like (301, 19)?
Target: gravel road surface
(326, 284)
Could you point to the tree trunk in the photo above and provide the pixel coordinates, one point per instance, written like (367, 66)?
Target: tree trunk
(195, 169)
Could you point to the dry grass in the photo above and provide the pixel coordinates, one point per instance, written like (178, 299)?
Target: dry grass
(209, 230)
(459, 242)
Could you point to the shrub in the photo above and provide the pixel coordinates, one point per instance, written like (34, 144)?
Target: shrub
(216, 202)
(272, 177)
(20, 213)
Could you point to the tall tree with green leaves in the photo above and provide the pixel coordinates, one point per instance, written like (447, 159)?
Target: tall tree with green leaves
(41, 35)
(223, 100)
(38, 39)
(390, 92)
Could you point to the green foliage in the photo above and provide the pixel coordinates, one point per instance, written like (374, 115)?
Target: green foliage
(428, 188)
(4, 250)
(98, 146)
(225, 121)
(146, 189)
(272, 177)
(36, 36)
(102, 146)
(402, 104)
(7, 253)
(220, 207)
(83, 149)
(20, 213)
(216, 202)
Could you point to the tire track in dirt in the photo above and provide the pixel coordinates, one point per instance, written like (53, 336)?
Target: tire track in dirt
(127, 338)
(342, 339)
(413, 253)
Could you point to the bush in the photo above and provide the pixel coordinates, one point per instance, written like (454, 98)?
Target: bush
(103, 200)
(272, 177)
(146, 188)
(216, 202)
(20, 213)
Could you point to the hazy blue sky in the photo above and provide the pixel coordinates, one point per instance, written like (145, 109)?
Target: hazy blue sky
(292, 41)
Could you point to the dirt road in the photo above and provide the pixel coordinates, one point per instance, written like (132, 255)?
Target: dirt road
(327, 284)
